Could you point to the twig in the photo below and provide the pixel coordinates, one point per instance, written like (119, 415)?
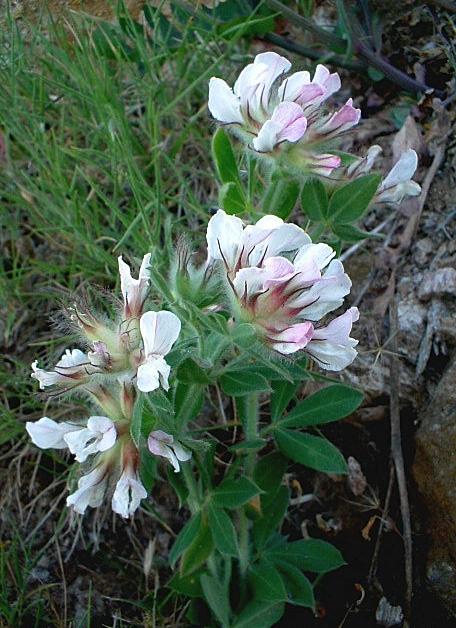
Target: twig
(373, 566)
(64, 584)
(448, 5)
(398, 459)
(322, 34)
(330, 59)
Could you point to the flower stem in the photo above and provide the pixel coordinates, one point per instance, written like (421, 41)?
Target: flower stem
(251, 417)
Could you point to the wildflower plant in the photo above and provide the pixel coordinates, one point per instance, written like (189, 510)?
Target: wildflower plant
(193, 350)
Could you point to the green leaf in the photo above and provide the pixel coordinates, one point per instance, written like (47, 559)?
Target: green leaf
(143, 421)
(217, 598)
(178, 483)
(234, 493)
(326, 405)
(280, 197)
(349, 233)
(273, 507)
(312, 451)
(267, 582)
(191, 372)
(244, 335)
(223, 155)
(309, 555)
(282, 393)
(185, 538)
(223, 532)
(349, 202)
(231, 198)
(314, 199)
(241, 382)
(299, 589)
(186, 585)
(147, 467)
(254, 444)
(269, 471)
(259, 614)
(188, 402)
(160, 407)
(199, 550)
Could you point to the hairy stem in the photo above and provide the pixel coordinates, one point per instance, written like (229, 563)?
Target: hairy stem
(251, 416)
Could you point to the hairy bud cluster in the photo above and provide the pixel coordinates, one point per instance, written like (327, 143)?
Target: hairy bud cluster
(121, 357)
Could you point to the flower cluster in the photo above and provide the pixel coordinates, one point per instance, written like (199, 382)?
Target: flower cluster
(121, 357)
(270, 112)
(284, 284)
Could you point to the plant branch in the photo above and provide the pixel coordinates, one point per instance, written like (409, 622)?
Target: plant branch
(398, 459)
(331, 59)
(323, 35)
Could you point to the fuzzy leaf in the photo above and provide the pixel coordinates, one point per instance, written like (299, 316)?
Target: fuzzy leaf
(312, 451)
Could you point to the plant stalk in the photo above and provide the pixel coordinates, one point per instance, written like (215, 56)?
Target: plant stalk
(251, 418)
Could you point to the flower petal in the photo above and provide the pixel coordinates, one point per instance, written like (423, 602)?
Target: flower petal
(223, 104)
(159, 331)
(287, 123)
(293, 338)
(224, 234)
(402, 171)
(48, 434)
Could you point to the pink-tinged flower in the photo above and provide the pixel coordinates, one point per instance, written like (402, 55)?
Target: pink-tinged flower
(134, 291)
(162, 444)
(99, 435)
(309, 93)
(91, 489)
(340, 121)
(73, 367)
(240, 246)
(331, 346)
(128, 493)
(48, 434)
(398, 184)
(159, 331)
(270, 116)
(284, 299)
(323, 164)
(287, 123)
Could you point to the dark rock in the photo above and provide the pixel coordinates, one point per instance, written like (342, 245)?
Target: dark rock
(435, 473)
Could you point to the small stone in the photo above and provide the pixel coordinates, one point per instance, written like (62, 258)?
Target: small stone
(424, 250)
(388, 615)
(356, 479)
(439, 283)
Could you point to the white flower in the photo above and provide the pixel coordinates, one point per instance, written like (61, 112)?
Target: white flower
(134, 291)
(240, 247)
(72, 366)
(250, 95)
(49, 434)
(162, 444)
(398, 184)
(99, 435)
(331, 346)
(159, 331)
(128, 493)
(91, 489)
(364, 165)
